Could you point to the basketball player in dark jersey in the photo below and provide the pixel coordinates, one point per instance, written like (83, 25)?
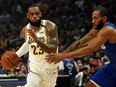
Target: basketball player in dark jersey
(103, 34)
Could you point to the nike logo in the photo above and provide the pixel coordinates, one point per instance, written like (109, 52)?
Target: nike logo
(41, 32)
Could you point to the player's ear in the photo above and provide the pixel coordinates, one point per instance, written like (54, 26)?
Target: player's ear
(105, 18)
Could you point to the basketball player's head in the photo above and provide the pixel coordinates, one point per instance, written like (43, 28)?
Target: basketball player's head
(99, 17)
(34, 15)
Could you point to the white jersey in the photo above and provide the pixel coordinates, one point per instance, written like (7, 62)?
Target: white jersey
(36, 54)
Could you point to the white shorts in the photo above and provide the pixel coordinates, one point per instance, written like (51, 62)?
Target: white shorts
(38, 77)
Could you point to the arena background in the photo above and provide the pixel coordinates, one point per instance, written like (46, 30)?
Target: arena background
(73, 18)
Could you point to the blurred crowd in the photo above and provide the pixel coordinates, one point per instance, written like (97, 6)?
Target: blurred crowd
(73, 18)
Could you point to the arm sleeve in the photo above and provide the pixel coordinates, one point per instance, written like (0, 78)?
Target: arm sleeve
(23, 50)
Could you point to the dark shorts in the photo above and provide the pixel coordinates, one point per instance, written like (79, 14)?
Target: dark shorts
(105, 77)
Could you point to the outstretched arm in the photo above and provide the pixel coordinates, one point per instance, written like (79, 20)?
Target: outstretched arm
(81, 42)
(102, 36)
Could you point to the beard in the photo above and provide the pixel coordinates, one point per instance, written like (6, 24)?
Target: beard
(99, 26)
(37, 23)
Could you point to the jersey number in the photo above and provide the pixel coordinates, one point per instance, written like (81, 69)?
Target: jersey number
(37, 50)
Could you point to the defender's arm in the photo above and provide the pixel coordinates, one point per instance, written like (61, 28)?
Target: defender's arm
(83, 41)
(103, 35)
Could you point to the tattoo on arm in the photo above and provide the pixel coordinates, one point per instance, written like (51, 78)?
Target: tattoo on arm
(53, 38)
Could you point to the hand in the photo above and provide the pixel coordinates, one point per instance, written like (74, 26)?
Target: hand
(54, 58)
(32, 34)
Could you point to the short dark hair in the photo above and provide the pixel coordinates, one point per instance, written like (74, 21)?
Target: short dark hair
(103, 11)
(33, 5)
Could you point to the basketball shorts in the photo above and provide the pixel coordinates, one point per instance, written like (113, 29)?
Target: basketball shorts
(39, 77)
(105, 77)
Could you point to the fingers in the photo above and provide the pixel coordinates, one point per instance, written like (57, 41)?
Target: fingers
(52, 61)
(50, 58)
(50, 55)
(32, 34)
(53, 58)
(47, 59)
(30, 30)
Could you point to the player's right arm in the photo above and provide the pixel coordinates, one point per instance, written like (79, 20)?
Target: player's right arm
(24, 32)
(81, 42)
(24, 48)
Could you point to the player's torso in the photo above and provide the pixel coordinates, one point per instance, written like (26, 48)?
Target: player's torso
(36, 54)
(109, 49)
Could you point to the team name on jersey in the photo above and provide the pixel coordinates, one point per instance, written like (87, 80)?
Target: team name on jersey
(30, 40)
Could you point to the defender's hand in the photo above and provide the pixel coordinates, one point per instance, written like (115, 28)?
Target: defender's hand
(54, 58)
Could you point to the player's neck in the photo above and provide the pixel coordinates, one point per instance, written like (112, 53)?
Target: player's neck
(35, 28)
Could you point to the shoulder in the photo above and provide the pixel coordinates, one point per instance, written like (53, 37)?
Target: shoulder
(107, 30)
(110, 24)
(50, 24)
(51, 28)
(79, 75)
(23, 31)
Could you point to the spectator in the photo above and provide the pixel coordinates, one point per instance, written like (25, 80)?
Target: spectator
(82, 77)
(69, 67)
(4, 42)
(80, 65)
(94, 67)
(22, 71)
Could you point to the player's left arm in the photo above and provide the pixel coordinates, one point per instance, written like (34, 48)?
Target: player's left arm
(52, 39)
(102, 36)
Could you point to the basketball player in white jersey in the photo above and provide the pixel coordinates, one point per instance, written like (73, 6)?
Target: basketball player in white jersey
(41, 38)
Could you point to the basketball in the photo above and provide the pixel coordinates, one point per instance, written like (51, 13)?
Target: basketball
(9, 60)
